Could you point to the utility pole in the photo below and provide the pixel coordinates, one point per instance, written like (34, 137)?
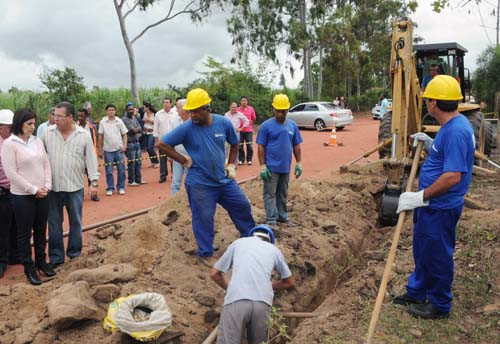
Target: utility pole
(498, 19)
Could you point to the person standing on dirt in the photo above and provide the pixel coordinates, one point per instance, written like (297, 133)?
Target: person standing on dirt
(177, 169)
(113, 145)
(27, 167)
(83, 122)
(278, 137)
(208, 181)
(134, 151)
(149, 119)
(7, 230)
(250, 291)
(246, 134)
(163, 124)
(384, 104)
(444, 179)
(70, 151)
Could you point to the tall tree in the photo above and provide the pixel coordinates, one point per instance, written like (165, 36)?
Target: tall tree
(196, 9)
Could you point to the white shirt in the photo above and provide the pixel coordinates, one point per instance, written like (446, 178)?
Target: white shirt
(238, 119)
(113, 132)
(165, 122)
(68, 159)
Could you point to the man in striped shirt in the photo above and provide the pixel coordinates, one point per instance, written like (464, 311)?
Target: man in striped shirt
(70, 150)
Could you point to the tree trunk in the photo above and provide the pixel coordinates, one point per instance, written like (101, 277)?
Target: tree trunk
(130, 52)
(307, 85)
(320, 76)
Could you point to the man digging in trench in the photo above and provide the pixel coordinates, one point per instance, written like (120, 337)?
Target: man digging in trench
(444, 180)
(208, 181)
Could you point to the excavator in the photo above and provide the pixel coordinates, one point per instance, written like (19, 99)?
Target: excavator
(408, 66)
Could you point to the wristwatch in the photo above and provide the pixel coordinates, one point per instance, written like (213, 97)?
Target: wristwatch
(94, 183)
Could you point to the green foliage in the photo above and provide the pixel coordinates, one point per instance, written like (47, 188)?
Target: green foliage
(63, 85)
(277, 327)
(486, 78)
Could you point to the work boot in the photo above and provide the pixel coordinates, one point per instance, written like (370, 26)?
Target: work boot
(406, 300)
(207, 261)
(426, 311)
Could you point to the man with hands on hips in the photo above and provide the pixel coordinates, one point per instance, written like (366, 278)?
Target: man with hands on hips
(444, 179)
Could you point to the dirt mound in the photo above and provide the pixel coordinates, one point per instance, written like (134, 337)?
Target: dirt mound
(331, 224)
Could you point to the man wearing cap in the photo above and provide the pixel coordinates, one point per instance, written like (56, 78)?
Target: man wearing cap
(7, 230)
(250, 291)
(444, 180)
(208, 181)
(278, 137)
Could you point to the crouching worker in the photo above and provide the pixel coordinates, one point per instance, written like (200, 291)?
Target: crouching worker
(250, 291)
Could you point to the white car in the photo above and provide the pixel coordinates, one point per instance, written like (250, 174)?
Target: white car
(320, 115)
(376, 109)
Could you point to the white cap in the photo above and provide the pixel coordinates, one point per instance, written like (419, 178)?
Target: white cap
(262, 234)
(6, 116)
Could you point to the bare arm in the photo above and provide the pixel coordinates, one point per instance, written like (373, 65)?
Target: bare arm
(124, 140)
(233, 151)
(218, 277)
(283, 284)
(170, 152)
(100, 144)
(297, 153)
(444, 183)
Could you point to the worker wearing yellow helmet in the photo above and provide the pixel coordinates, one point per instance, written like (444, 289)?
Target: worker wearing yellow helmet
(444, 180)
(208, 180)
(277, 139)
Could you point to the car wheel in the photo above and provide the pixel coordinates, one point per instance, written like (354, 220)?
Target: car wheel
(339, 128)
(319, 125)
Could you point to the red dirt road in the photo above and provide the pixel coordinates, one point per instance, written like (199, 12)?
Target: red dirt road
(318, 162)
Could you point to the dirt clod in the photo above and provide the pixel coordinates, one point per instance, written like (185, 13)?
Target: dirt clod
(110, 273)
(106, 292)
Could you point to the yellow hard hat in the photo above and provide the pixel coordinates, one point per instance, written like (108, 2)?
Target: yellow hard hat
(197, 98)
(281, 102)
(443, 87)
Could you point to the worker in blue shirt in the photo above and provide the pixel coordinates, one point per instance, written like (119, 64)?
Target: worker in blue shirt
(208, 181)
(277, 138)
(444, 180)
(433, 71)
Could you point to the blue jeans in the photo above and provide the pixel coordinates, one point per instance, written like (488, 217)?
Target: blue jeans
(150, 146)
(203, 202)
(275, 196)
(73, 202)
(433, 247)
(177, 173)
(134, 155)
(111, 159)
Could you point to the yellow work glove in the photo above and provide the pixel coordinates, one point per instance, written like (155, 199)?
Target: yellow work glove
(231, 171)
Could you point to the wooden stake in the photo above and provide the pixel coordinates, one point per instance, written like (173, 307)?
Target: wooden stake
(212, 336)
(392, 251)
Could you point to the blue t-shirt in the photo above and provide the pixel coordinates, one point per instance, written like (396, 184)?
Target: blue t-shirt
(452, 151)
(205, 146)
(426, 80)
(278, 139)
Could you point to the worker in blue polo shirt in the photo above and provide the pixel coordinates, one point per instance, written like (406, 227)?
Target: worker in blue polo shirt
(444, 180)
(208, 181)
(277, 138)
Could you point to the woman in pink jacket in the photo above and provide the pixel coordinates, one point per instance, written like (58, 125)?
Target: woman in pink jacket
(27, 168)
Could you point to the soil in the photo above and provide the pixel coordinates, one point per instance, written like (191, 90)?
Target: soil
(333, 245)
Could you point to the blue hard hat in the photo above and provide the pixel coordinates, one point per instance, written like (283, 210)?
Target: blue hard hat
(263, 228)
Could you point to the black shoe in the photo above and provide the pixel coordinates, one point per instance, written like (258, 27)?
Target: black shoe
(426, 311)
(2, 270)
(33, 277)
(162, 180)
(406, 300)
(55, 265)
(46, 269)
(94, 198)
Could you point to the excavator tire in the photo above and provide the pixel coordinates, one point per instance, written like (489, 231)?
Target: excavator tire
(384, 132)
(478, 123)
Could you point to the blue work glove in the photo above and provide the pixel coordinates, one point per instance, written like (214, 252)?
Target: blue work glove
(298, 170)
(424, 138)
(265, 174)
(411, 200)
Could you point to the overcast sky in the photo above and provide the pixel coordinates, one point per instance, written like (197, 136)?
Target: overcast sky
(85, 35)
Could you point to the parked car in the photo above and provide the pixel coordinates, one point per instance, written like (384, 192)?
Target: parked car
(320, 115)
(376, 109)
